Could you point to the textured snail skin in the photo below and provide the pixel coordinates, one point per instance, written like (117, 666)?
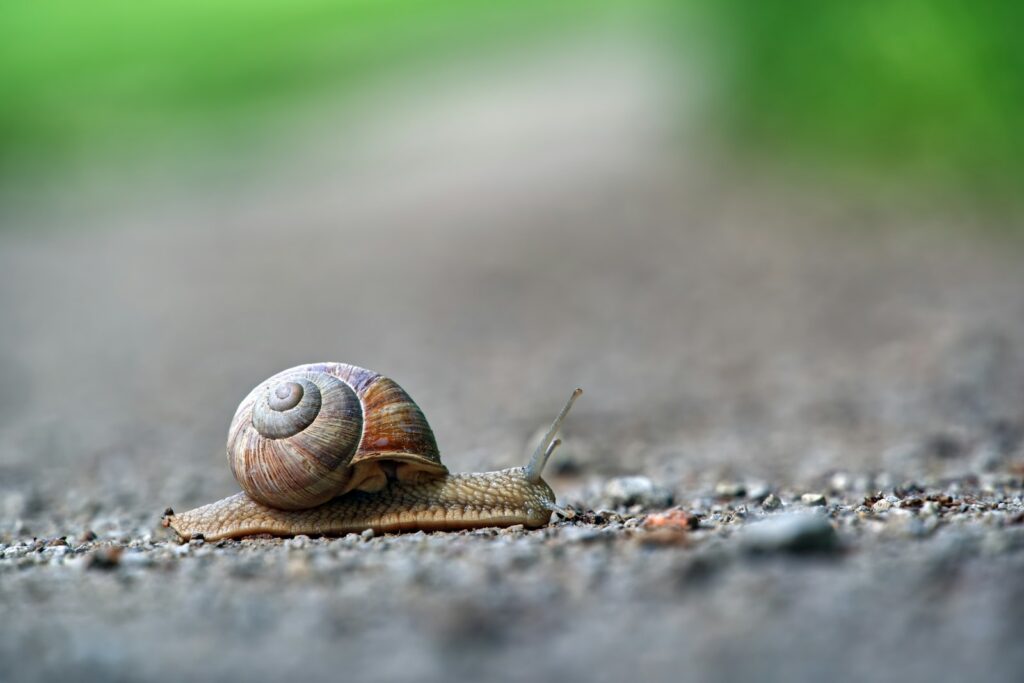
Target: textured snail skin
(446, 503)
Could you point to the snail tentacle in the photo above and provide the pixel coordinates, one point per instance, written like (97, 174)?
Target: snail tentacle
(551, 449)
(547, 446)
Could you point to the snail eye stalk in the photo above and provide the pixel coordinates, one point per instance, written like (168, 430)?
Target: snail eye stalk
(549, 443)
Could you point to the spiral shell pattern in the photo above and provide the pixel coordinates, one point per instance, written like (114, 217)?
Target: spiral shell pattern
(313, 432)
(291, 441)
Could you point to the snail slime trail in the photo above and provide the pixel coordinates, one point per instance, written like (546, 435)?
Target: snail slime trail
(329, 448)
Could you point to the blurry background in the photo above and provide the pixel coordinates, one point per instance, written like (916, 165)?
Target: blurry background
(770, 242)
(751, 232)
(919, 94)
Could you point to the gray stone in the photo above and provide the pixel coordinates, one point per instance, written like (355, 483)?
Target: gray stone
(298, 542)
(799, 532)
(758, 490)
(730, 489)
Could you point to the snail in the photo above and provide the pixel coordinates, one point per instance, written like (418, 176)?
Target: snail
(328, 448)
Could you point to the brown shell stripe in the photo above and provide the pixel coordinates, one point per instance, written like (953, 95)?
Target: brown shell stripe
(394, 426)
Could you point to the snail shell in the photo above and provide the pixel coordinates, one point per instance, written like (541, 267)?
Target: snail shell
(317, 431)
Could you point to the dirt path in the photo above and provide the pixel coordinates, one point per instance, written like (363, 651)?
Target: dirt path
(734, 341)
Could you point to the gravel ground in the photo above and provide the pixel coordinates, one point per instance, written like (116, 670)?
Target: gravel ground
(799, 456)
(917, 582)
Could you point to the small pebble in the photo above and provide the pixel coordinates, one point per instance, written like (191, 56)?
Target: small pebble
(367, 534)
(105, 558)
(56, 550)
(758, 490)
(813, 499)
(603, 516)
(297, 542)
(771, 502)
(881, 505)
(566, 513)
(672, 519)
(730, 489)
(799, 532)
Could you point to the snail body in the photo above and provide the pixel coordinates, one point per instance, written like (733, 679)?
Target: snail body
(331, 448)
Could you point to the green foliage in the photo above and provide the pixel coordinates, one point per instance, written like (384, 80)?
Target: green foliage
(908, 92)
(122, 78)
(912, 90)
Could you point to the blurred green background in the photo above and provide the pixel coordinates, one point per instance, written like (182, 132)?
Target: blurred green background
(918, 91)
(916, 96)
